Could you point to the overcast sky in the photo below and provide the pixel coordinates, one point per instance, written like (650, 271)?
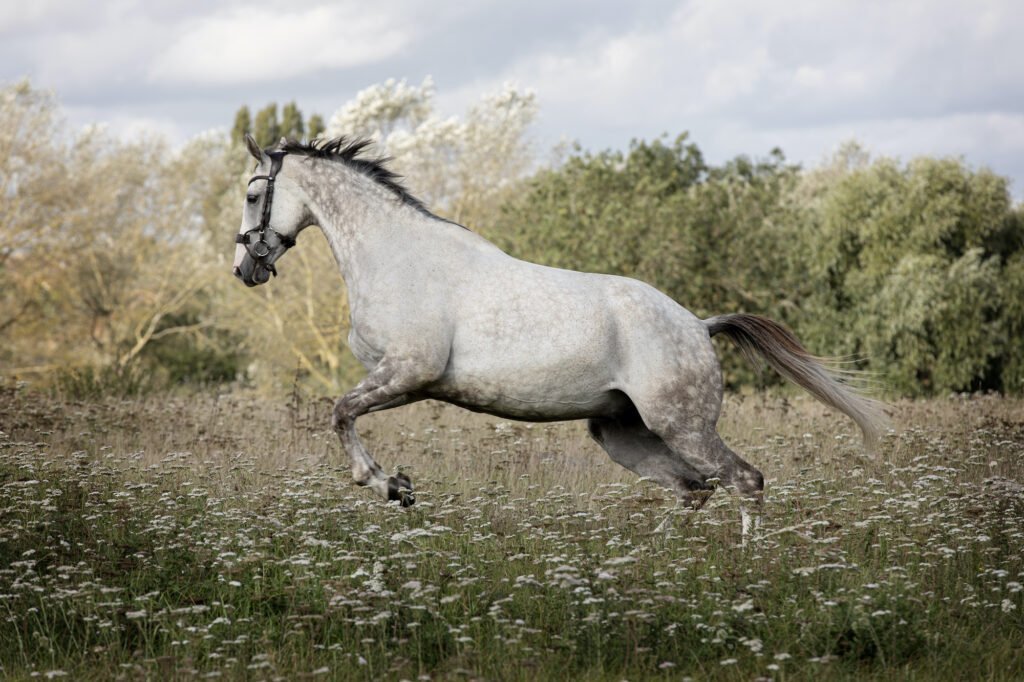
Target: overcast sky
(905, 78)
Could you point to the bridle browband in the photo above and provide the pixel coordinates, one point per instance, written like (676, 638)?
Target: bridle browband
(255, 240)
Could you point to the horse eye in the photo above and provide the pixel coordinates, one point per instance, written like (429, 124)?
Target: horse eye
(252, 198)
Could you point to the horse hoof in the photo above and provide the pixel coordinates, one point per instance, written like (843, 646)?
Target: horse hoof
(400, 488)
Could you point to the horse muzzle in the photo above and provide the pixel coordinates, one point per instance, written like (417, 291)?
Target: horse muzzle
(253, 273)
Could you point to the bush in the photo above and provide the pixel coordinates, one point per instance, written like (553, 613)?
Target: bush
(914, 270)
(90, 381)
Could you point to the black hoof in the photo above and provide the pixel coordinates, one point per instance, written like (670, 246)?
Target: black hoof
(400, 488)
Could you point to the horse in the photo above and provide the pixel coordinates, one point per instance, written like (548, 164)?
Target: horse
(438, 312)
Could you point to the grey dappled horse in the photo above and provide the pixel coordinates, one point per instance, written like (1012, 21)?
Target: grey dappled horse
(439, 312)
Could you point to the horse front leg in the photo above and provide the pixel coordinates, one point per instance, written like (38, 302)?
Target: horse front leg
(390, 384)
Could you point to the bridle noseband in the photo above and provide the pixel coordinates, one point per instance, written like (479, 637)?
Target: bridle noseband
(256, 240)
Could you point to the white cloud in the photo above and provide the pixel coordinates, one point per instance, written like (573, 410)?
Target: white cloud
(941, 77)
(729, 80)
(809, 77)
(251, 44)
(143, 127)
(746, 57)
(105, 56)
(26, 16)
(128, 127)
(917, 77)
(995, 136)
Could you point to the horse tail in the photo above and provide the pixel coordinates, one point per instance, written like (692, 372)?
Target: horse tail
(821, 377)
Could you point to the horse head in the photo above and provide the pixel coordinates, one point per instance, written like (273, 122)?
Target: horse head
(271, 218)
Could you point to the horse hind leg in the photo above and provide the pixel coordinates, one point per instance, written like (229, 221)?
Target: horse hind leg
(687, 431)
(713, 459)
(632, 445)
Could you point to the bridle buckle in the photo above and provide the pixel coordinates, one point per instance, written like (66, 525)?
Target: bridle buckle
(260, 249)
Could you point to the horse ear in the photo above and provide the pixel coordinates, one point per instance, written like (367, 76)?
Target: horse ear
(254, 148)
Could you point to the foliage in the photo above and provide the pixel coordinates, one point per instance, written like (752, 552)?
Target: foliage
(912, 268)
(104, 245)
(292, 125)
(217, 357)
(464, 168)
(268, 127)
(316, 126)
(242, 126)
(91, 382)
(265, 127)
(1011, 284)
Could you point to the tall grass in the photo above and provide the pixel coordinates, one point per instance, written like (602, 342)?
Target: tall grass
(221, 536)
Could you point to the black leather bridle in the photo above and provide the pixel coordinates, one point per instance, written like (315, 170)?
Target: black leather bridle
(261, 241)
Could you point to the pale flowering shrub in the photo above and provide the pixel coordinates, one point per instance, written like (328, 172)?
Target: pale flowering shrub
(457, 166)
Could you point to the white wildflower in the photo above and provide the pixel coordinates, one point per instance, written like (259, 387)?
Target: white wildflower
(745, 606)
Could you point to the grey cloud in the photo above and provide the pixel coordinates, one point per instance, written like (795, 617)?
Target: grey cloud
(803, 74)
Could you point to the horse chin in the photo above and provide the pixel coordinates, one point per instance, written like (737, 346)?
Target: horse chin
(252, 274)
(260, 275)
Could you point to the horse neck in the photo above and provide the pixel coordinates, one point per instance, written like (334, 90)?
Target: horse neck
(367, 226)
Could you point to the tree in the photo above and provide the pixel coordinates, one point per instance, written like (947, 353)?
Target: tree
(266, 129)
(316, 126)
(117, 230)
(116, 256)
(379, 110)
(242, 126)
(291, 122)
(910, 264)
(31, 168)
(912, 270)
(461, 168)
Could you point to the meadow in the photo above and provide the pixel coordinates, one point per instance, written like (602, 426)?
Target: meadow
(206, 536)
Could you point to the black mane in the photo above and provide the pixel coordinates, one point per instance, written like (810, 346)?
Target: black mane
(349, 151)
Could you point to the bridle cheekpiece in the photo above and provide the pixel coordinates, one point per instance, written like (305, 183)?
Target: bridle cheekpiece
(261, 241)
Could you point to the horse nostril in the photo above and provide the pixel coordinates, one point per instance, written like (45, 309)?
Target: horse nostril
(237, 272)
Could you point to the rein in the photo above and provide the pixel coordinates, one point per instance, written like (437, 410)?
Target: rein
(256, 240)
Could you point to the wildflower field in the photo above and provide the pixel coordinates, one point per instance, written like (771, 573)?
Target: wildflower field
(220, 536)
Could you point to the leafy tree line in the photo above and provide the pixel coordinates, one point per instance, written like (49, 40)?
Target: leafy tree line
(107, 264)
(914, 271)
(267, 127)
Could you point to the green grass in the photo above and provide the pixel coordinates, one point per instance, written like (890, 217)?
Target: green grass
(221, 536)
